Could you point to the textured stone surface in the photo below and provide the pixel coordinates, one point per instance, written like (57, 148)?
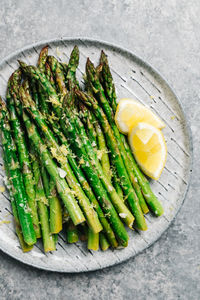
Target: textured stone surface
(166, 34)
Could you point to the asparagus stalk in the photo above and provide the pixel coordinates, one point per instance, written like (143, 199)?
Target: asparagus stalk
(42, 99)
(72, 66)
(64, 68)
(116, 183)
(52, 62)
(96, 137)
(49, 240)
(109, 88)
(18, 190)
(104, 158)
(107, 81)
(34, 90)
(23, 155)
(47, 237)
(89, 122)
(58, 76)
(14, 87)
(151, 199)
(72, 233)
(91, 131)
(59, 70)
(62, 187)
(43, 58)
(93, 240)
(116, 157)
(103, 242)
(35, 164)
(60, 80)
(84, 202)
(25, 247)
(49, 75)
(55, 209)
(59, 73)
(41, 65)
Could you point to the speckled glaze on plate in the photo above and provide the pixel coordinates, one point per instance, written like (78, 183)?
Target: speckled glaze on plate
(136, 79)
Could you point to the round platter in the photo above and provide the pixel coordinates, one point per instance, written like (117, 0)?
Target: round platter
(136, 79)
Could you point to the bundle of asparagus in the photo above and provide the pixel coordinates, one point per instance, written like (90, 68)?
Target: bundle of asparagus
(66, 160)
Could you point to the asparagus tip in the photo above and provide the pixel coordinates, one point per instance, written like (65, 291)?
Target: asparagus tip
(44, 49)
(22, 64)
(103, 57)
(76, 48)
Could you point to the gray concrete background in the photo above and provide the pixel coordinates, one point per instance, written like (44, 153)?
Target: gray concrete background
(167, 35)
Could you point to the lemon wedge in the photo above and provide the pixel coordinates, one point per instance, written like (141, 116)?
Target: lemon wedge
(130, 112)
(149, 148)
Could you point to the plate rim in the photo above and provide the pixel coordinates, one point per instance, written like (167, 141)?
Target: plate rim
(187, 128)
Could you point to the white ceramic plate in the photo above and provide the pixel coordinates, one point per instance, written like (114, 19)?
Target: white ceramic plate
(136, 79)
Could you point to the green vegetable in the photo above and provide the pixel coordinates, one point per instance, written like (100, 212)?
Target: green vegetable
(41, 65)
(23, 153)
(72, 233)
(17, 186)
(103, 242)
(25, 247)
(72, 66)
(47, 237)
(93, 240)
(55, 209)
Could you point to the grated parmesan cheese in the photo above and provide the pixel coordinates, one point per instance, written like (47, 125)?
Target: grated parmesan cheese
(54, 152)
(55, 101)
(64, 150)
